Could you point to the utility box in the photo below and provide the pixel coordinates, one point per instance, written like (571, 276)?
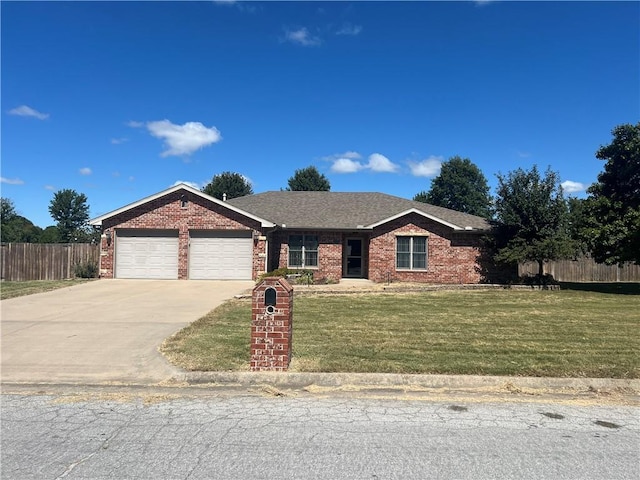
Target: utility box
(271, 325)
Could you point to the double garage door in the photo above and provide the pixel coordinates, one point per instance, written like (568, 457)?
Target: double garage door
(213, 255)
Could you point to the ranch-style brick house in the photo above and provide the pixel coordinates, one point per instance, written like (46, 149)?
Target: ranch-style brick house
(183, 233)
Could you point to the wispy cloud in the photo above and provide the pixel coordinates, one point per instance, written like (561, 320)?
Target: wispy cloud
(26, 111)
(429, 167)
(242, 6)
(524, 154)
(302, 37)
(118, 141)
(134, 124)
(182, 140)
(11, 181)
(85, 171)
(51, 188)
(350, 162)
(573, 187)
(349, 29)
(380, 163)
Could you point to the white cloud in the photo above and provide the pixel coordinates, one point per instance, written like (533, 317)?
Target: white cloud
(429, 167)
(134, 124)
(572, 187)
(85, 171)
(11, 181)
(132, 178)
(302, 37)
(26, 111)
(51, 188)
(183, 139)
(118, 141)
(191, 184)
(346, 165)
(348, 29)
(380, 163)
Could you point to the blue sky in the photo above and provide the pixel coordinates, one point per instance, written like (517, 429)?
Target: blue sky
(120, 100)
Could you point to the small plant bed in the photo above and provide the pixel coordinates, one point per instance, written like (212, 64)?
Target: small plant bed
(19, 289)
(486, 332)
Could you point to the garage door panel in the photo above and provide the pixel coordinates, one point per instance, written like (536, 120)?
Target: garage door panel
(141, 254)
(217, 255)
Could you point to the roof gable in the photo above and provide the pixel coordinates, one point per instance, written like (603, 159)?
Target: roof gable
(181, 186)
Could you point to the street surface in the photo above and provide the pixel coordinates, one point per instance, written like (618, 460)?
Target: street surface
(260, 436)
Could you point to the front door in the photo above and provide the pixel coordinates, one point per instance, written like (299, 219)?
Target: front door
(353, 258)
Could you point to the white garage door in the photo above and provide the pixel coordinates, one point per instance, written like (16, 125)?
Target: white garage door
(147, 254)
(220, 255)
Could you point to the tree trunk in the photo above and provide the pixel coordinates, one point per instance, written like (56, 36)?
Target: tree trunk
(540, 269)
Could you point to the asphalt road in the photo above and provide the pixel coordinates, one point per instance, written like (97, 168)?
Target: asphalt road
(257, 437)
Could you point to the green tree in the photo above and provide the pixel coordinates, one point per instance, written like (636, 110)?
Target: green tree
(51, 234)
(70, 209)
(233, 184)
(308, 180)
(611, 227)
(532, 218)
(14, 227)
(460, 186)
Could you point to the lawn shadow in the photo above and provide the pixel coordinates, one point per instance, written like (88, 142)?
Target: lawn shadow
(619, 288)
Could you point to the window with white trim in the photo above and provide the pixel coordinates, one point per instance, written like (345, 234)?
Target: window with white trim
(303, 251)
(411, 253)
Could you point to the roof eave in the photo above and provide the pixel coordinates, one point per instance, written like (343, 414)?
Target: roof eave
(97, 221)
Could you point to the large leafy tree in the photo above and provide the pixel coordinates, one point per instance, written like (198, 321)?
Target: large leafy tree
(71, 212)
(15, 227)
(307, 180)
(532, 218)
(611, 227)
(460, 186)
(230, 183)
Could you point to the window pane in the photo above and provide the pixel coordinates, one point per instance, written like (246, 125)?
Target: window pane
(311, 242)
(403, 244)
(403, 260)
(419, 261)
(295, 242)
(310, 259)
(295, 258)
(419, 244)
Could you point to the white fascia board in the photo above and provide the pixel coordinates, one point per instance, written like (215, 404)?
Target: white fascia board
(181, 186)
(414, 210)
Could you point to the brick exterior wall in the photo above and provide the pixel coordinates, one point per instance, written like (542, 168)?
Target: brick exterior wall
(167, 213)
(452, 257)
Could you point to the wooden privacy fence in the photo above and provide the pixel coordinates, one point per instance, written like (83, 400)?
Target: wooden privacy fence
(584, 270)
(44, 261)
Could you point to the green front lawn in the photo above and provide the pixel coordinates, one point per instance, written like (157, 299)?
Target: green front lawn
(492, 332)
(18, 289)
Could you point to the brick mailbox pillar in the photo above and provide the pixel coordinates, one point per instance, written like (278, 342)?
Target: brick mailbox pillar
(272, 325)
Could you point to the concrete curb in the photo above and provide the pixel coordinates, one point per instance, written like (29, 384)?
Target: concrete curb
(398, 381)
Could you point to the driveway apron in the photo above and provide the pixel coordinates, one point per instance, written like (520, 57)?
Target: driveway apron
(105, 331)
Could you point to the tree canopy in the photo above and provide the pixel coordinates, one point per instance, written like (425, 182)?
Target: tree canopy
(307, 180)
(611, 221)
(70, 209)
(532, 218)
(231, 183)
(460, 186)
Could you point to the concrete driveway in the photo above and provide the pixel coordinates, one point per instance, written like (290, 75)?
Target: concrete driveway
(105, 331)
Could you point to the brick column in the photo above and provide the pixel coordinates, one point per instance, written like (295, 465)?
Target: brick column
(272, 325)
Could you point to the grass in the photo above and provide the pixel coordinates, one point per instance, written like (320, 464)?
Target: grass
(492, 332)
(19, 289)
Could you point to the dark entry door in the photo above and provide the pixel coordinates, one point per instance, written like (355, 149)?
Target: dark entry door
(353, 258)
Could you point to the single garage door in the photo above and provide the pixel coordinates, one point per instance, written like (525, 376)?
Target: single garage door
(220, 255)
(147, 254)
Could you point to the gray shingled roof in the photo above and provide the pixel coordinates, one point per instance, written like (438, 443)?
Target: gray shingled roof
(343, 210)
